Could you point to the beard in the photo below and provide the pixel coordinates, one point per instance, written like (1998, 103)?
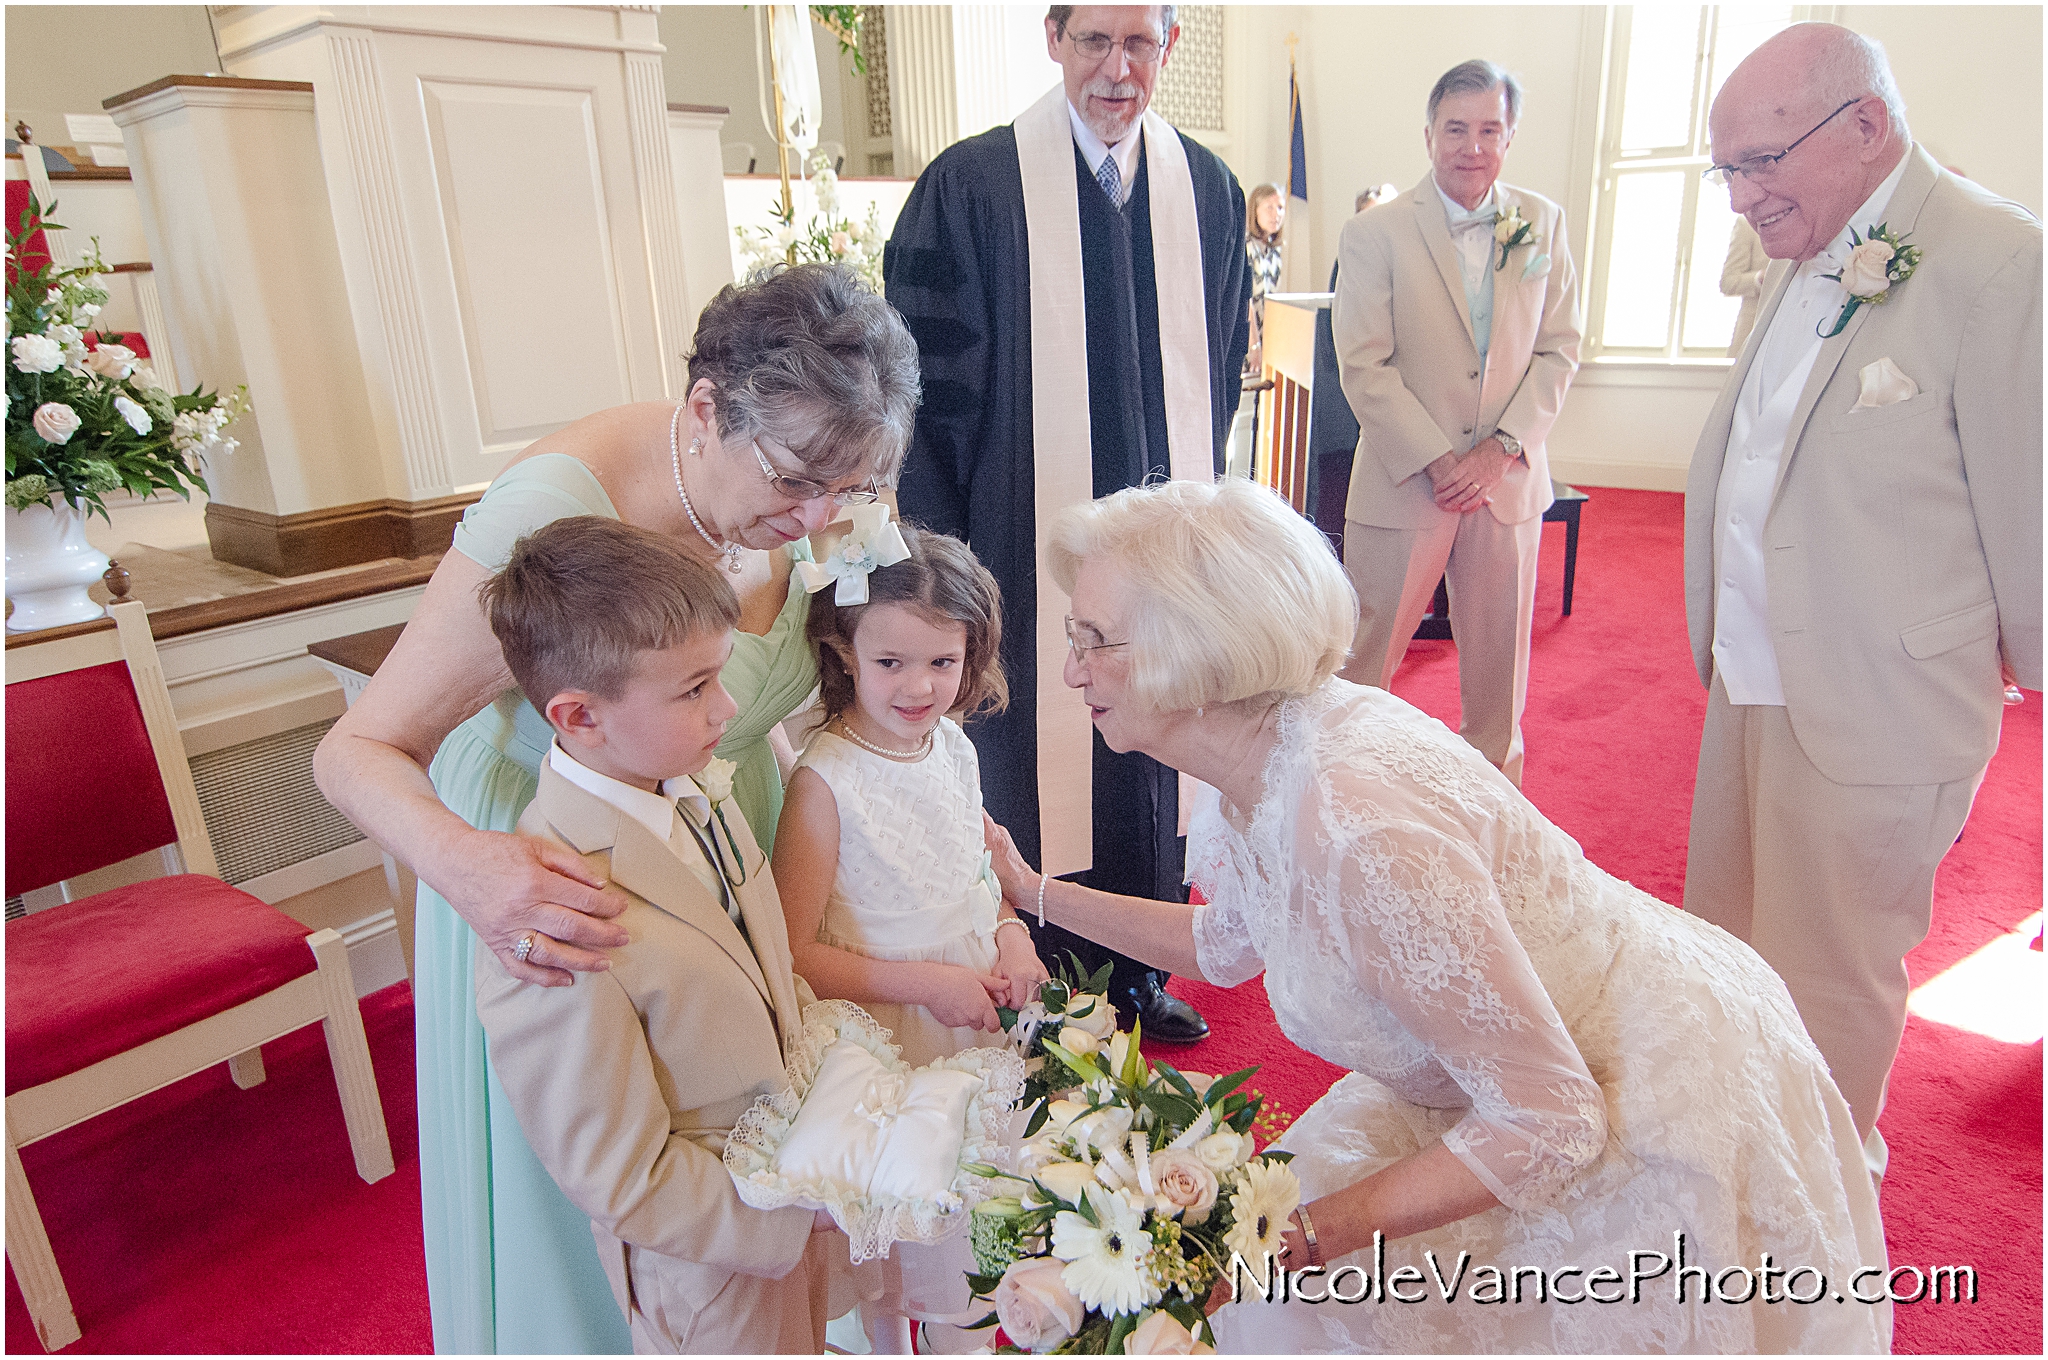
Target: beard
(1101, 122)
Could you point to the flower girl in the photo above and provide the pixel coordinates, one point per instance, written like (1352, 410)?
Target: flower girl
(879, 856)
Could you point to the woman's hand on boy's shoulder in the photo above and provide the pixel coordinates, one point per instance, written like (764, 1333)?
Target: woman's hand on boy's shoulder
(508, 887)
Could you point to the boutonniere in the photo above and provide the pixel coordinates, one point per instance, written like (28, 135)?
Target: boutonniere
(1873, 266)
(1511, 229)
(715, 780)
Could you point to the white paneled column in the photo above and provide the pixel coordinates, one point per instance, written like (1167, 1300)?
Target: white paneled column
(698, 177)
(956, 70)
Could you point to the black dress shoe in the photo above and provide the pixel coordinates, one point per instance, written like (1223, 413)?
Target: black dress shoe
(1166, 1017)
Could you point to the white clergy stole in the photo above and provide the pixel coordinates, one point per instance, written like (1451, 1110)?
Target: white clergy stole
(1061, 439)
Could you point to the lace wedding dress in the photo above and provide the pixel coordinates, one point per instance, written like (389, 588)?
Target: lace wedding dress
(1613, 1070)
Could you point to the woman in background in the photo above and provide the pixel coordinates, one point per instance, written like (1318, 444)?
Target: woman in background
(1265, 212)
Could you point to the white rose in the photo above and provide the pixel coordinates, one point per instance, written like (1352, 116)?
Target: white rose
(1078, 1041)
(1161, 1333)
(56, 422)
(1186, 1181)
(1504, 229)
(1222, 1150)
(1864, 275)
(1034, 1305)
(1066, 1179)
(1100, 1019)
(715, 779)
(144, 378)
(1060, 1113)
(137, 418)
(111, 361)
(37, 354)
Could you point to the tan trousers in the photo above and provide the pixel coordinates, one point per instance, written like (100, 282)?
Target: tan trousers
(1490, 569)
(1831, 883)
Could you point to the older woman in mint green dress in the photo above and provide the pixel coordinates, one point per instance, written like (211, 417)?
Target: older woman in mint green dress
(802, 391)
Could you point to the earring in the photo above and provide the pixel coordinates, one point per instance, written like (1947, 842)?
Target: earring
(696, 447)
(1198, 710)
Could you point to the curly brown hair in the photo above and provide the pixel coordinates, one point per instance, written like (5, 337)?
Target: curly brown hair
(942, 581)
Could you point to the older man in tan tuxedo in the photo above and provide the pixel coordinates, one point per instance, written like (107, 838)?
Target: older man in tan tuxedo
(1863, 539)
(627, 1084)
(1457, 330)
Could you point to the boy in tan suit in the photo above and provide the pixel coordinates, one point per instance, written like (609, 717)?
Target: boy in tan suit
(627, 1083)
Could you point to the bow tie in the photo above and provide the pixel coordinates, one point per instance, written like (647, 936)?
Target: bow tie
(1481, 219)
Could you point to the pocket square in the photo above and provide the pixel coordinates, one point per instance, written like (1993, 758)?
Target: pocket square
(1536, 268)
(1884, 385)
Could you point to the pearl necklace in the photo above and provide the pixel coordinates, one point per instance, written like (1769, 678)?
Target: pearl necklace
(857, 739)
(675, 462)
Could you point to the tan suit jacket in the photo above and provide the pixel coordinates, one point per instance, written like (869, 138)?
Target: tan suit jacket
(627, 1083)
(1410, 363)
(1903, 543)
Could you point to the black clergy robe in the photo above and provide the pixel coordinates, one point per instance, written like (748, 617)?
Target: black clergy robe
(958, 268)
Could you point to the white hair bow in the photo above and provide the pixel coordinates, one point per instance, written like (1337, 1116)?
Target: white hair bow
(874, 541)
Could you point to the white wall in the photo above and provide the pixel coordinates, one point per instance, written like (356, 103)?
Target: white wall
(710, 60)
(67, 58)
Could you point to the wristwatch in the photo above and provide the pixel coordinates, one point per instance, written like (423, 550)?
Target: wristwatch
(1511, 445)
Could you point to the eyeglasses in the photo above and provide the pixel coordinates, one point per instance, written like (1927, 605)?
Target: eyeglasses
(804, 489)
(1081, 649)
(1139, 49)
(1757, 167)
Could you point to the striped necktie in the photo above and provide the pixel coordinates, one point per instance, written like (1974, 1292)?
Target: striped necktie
(1111, 181)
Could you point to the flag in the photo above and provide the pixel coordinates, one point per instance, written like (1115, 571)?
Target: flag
(1294, 239)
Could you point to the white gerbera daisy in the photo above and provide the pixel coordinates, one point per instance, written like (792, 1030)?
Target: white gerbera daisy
(1266, 1195)
(1107, 1259)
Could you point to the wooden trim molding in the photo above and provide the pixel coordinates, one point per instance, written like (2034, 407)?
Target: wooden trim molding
(209, 82)
(340, 536)
(182, 620)
(699, 108)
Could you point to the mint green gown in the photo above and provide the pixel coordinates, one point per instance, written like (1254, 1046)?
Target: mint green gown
(511, 1266)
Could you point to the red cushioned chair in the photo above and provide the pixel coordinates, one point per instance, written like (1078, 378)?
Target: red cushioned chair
(111, 996)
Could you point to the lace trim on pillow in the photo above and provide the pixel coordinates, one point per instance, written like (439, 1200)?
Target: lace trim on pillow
(873, 1223)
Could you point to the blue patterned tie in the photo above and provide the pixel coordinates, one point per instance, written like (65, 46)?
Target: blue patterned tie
(1112, 183)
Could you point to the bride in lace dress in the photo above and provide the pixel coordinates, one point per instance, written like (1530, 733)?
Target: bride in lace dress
(1552, 1073)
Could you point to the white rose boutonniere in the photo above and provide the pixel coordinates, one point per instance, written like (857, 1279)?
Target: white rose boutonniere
(1511, 229)
(716, 780)
(1875, 264)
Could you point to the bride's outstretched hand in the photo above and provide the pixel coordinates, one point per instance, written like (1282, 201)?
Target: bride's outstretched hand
(1020, 884)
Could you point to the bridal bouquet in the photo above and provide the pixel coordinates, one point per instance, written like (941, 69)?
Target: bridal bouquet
(1072, 1014)
(1134, 1197)
(86, 417)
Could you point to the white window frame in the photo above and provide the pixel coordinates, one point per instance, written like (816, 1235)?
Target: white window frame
(1597, 167)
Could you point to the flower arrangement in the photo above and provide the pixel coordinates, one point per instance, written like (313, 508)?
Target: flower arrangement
(85, 417)
(1511, 229)
(1138, 1195)
(1073, 1013)
(1875, 263)
(830, 237)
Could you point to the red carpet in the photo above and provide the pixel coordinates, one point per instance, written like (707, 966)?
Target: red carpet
(209, 1219)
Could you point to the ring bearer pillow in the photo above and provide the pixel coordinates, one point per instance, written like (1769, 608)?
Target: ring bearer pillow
(883, 1147)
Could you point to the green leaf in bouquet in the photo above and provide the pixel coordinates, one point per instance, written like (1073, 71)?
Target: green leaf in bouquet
(1177, 1081)
(976, 1326)
(1276, 1155)
(1006, 1017)
(1134, 1061)
(983, 1285)
(1098, 982)
(1039, 1114)
(1083, 1067)
(1175, 1112)
(1224, 1085)
(1120, 1329)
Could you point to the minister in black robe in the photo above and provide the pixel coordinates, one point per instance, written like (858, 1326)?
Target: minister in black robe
(958, 268)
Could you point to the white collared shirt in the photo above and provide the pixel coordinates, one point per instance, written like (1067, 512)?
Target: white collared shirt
(1093, 149)
(655, 811)
(1475, 258)
(1744, 655)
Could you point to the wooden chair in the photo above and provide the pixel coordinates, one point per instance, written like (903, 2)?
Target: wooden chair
(112, 996)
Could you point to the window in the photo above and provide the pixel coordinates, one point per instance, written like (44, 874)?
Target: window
(1663, 231)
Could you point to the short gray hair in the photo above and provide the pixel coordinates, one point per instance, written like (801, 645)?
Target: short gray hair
(1477, 77)
(1852, 66)
(1233, 595)
(812, 357)
(1059, 14)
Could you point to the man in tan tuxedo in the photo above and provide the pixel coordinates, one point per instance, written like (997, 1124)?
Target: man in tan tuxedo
(627, 1083)
(1863, 540)
(1457, 333)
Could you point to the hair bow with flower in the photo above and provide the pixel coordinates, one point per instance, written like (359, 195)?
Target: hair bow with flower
(1875, 263)
(873, 541)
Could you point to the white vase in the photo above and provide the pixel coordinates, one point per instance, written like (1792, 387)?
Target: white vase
(49, 567)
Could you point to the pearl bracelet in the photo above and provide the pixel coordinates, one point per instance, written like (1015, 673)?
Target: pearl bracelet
(1042, 878)
(1016, 921)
